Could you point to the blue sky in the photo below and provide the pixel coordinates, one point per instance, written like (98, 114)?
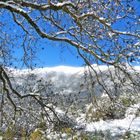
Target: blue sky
(56, 53)
(48, 53)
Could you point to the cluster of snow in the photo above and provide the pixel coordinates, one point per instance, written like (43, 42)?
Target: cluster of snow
(129, 123)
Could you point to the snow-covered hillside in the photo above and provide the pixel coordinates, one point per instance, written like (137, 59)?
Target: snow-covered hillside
(77, 88)
(65, 80)
(73, 80)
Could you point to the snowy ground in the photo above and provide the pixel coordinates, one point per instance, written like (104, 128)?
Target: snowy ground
(117, 126)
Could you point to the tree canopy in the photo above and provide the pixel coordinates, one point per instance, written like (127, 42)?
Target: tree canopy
(103, 32)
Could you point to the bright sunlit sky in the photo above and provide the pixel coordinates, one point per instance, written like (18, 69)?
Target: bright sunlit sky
(58, 53)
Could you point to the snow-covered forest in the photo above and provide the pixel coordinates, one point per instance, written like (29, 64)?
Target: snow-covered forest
(73, 104)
